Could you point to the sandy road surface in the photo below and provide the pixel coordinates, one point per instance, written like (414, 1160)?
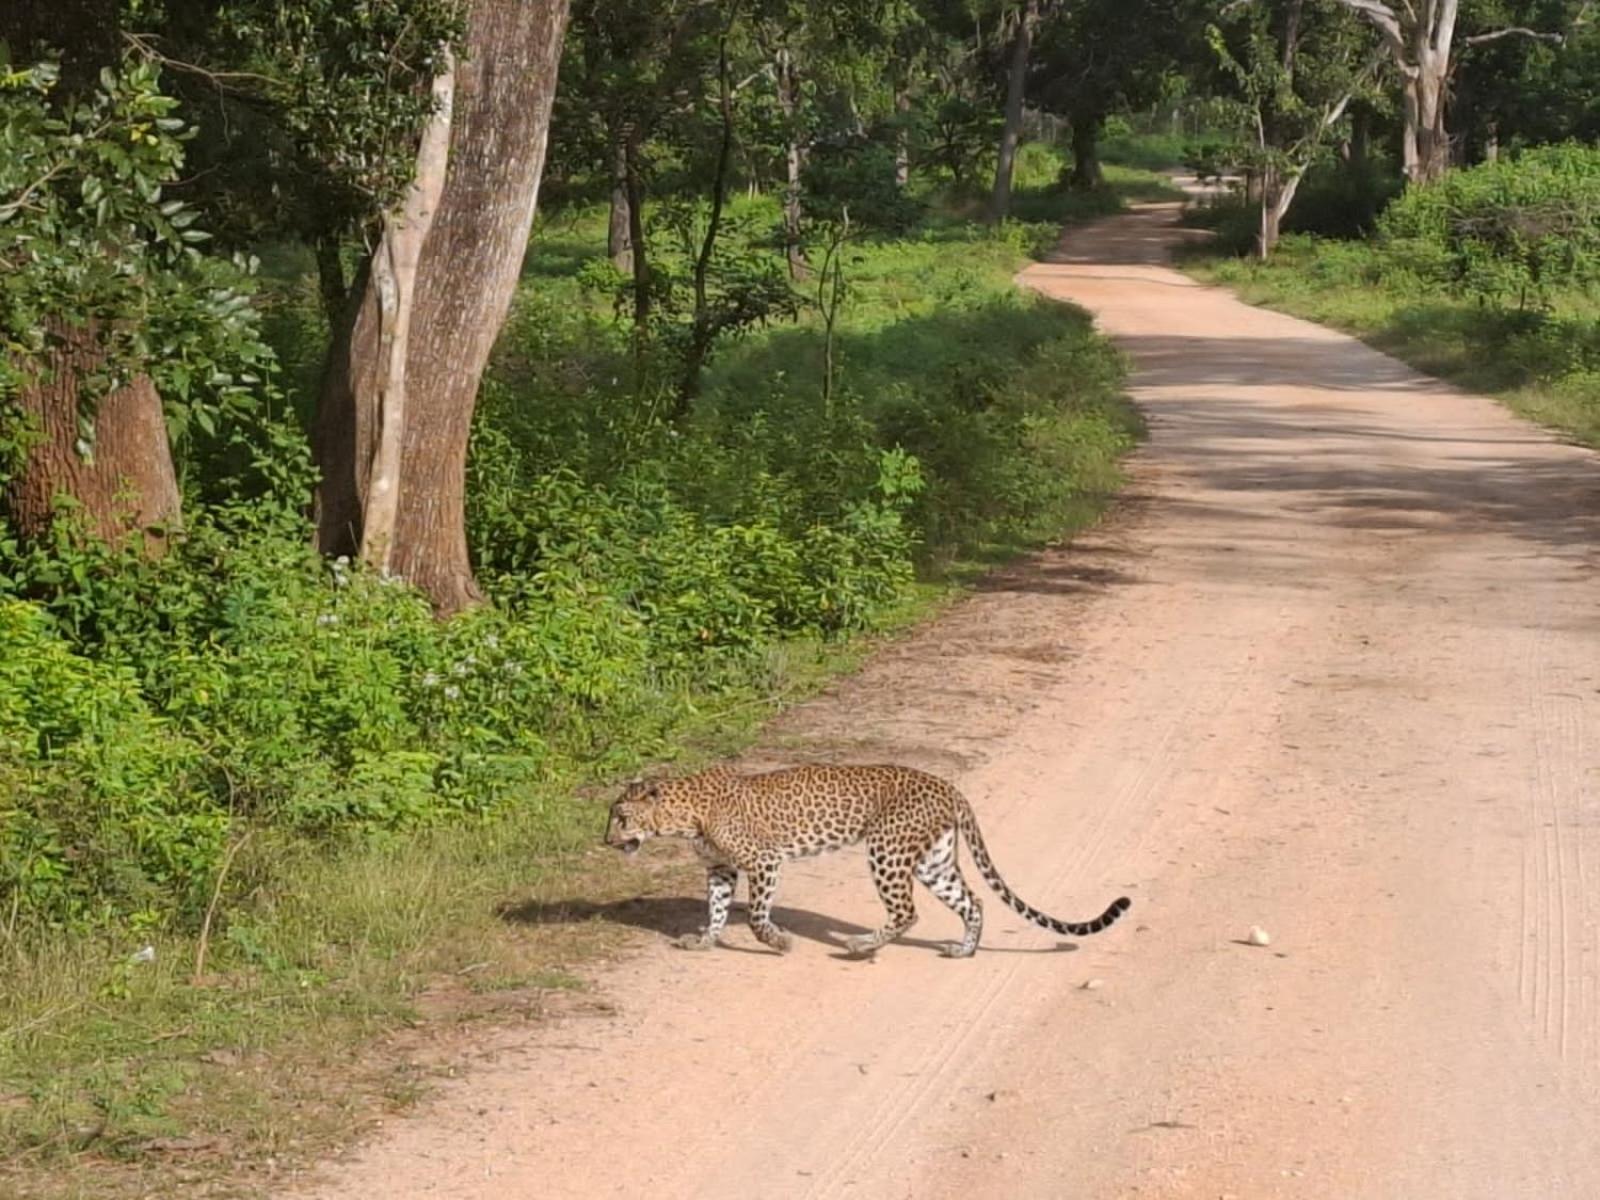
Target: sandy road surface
(1333, 671)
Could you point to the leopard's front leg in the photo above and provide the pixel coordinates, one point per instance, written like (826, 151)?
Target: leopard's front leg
(763, 890)
(720, 881)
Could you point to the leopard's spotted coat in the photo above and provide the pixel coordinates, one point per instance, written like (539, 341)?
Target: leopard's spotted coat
(754, 823)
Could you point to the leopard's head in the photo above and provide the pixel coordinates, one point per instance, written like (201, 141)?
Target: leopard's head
(645, 811)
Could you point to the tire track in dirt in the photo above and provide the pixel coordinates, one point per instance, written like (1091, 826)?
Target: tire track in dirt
(1329, 670)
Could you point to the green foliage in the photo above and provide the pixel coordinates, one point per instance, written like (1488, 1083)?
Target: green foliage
(88, 238)
(746, 285)
(102, 804)
(630, 557)
(348, 83)
(858, 177)
(1507, 231)
(1343, 200)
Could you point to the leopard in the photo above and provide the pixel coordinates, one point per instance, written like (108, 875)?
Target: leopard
(911, 821)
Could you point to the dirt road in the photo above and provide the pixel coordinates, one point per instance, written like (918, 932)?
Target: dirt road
(1333, 671)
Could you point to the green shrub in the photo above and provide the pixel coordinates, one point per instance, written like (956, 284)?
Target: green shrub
(1504, 231)
(103, 806)
(1339, 200)
(860, 177)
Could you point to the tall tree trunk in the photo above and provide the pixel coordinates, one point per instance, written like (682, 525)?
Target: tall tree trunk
(1277, 194)
(619, 234)
(1432, 138)
(703, 332)
(634, 171)
(125, 484)
(1086, 171)
(1360, 137)
(794, 161)
(394, 284)
(1011, 132)
(902, 138)
(465, 278)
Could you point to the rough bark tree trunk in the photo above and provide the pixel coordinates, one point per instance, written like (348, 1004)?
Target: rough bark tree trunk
(466, 275)
(619, 234)
(794, 162)
(125, 485)
(394, 283)
(1011, 132)
(1086, 172)
(1432, 138)
(902, 138)
(634, 171)
(703, 331)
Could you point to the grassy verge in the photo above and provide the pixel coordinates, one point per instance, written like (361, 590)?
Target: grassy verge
(242, 1051)
(333, 1003)
(1544, 365)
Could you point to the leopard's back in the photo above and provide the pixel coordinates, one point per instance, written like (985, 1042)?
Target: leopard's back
(809, 809)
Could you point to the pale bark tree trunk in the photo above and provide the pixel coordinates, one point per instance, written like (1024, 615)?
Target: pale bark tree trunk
(794, 161)
(465, 279)
(1278, 188)
(619, 234)
(1011, 132)
(1277, 194)
(125, 484)
(394, 285)
(902, 138)
(1433, 139)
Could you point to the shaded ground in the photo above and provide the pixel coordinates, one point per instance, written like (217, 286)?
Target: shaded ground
(1330, 671)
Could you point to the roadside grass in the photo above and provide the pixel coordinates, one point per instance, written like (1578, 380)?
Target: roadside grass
(333, 989)
(1543, 364)
(342, 992)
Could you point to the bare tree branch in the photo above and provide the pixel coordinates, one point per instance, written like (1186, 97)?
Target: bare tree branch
(1479, 39)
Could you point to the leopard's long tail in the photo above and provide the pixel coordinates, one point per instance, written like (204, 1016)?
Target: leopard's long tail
(968, 823)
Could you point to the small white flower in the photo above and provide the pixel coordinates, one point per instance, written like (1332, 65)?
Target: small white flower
(328, 619)
(144, 954)
(459, 670)
(491, 641)
(341, 562)
(430, 680)
(452, 692)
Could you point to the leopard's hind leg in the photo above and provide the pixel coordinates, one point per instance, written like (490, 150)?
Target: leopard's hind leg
(891, 872)
(938, 870)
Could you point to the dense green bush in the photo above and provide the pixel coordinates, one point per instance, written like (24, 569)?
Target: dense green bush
(1506, 231)
(859, 177)
(1343, 200)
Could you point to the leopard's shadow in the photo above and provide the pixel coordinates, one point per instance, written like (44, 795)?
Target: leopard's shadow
(674, 916)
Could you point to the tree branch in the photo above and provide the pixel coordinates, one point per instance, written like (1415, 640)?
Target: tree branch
(1384, 19)
(1479, 39)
